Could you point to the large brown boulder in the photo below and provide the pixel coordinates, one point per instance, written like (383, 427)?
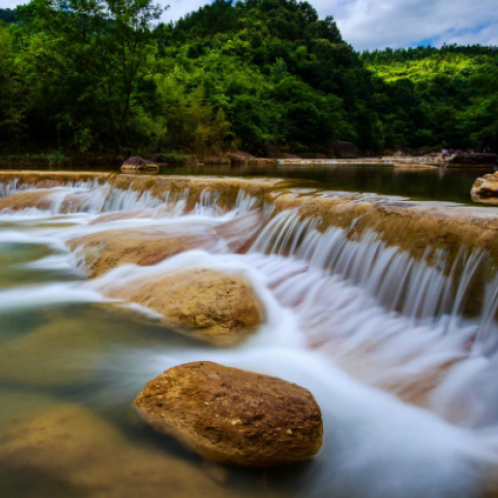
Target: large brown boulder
(234, 416)
(469, 160)
(208, 304)
(485, 189)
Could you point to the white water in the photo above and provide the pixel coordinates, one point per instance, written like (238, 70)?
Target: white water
(364, 326)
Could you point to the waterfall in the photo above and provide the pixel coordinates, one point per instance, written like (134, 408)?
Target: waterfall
(399, 347)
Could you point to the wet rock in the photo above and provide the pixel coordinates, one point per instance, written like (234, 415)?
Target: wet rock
(107, 249)
(78, 453)
(46, 199)
(475, 160)
(60, 353)
(137, 163)
(233, 416)
(208, 304)
(485, 189)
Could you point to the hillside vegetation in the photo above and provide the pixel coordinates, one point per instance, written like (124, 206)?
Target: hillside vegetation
(257, 75)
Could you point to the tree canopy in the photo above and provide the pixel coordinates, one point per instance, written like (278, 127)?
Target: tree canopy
(96, 75)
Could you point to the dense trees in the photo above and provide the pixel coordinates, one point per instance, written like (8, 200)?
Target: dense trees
(455, 88)
(94, 75)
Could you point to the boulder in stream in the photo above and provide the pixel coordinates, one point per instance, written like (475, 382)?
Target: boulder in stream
(485, 189)
(208, 304)
(233, 416)
(136, 163)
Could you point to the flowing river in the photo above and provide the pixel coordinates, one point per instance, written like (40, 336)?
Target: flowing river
(384, 308)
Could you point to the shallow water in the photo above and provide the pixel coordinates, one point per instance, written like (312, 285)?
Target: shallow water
(408, 393)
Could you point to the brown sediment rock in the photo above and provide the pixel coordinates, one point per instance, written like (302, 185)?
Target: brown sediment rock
(208, 304)
(412, 226)
(105, 250)
(39, 198)
(69, 351)
(234, 416)
(485, 189)
(225, 189)
(76, 453)
(137, 163)
(50, 179)
(44, 199)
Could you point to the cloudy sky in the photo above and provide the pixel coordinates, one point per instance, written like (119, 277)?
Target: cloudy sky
(368, 24)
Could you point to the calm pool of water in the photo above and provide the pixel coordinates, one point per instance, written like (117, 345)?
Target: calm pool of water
(418, 184)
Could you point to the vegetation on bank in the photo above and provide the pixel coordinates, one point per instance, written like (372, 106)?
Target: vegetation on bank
(104, 76)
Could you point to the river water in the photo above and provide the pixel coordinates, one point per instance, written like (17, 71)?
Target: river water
(405, 377)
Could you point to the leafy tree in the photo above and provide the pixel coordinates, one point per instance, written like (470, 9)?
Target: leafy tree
(96, 54)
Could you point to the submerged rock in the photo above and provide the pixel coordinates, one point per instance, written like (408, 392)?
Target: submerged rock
(137, 163)
(73, 452)
(208, 304)
(485, 189)
(234, 416)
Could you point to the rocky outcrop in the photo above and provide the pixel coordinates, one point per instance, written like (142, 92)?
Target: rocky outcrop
(103, 251)
(413, 226)
(46, 199)
(107, 249)
(472, 160)
(29, 199)
(208, 304)
(68, 450)
(137, 163)
(485, 189)
(234, 416)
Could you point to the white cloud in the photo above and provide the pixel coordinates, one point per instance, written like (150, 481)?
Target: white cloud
(390, 23)
(397, 23)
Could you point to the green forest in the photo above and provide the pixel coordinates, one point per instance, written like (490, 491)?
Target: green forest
(105, 76)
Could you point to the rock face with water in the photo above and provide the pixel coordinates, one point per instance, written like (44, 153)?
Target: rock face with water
(44, 199)
(234, 416)
(107, 249)
(208, 304)
(103, 251)
(485, 189)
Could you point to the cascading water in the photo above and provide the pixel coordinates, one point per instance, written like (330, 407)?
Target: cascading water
(404, 374)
